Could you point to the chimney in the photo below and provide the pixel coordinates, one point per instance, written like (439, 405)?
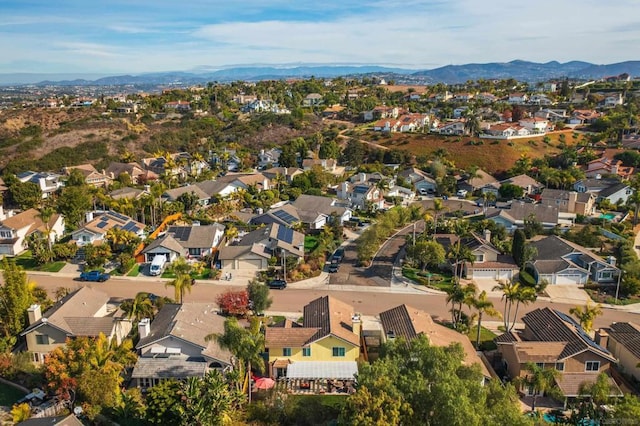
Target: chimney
(2, 216)
(34, 313)
(611, 260)
(362, 177)
(144, 327)
(89, 217)
(602, 337)
(265, 184)
(356, 324)
(487, 235)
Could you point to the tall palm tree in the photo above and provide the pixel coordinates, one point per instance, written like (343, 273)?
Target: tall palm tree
(509, 291)
(138, 308)
(460, 254)
(180, 283)
(482, 305)
(45, 214)
(523, 296)
(456, 296)
(438, 207)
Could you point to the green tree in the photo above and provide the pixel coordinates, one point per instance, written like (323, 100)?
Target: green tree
(482, 305)
(183, 281)
(164, 404)
(510, 191)
(73, 203)
(428, 253)
(517, 247)
(586, 315)
(258, 296)
(540, 380)
(330, 149)
(209, 400)
(428, 385)
(27, 195)
(15, 298)
(97, 256)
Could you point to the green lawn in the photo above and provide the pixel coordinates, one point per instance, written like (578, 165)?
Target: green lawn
(28, 263)
(9, 395)
(438, 280)
(486, 338)
(310, 243)
(134, 271)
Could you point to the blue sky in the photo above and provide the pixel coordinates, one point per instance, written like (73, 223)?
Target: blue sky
(135, 36)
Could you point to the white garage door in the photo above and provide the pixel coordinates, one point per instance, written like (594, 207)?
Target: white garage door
(484, 273)
(568, 279)
(249, 264)
(504, 274)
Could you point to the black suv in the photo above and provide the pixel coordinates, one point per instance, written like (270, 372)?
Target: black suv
(278, 284)
(338, 255)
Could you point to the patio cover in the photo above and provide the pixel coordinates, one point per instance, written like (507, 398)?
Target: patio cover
(310, 370)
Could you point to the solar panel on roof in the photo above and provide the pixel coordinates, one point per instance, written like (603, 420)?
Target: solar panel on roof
(285, 234)
(135, 229)
(285, 216)
(102, 224)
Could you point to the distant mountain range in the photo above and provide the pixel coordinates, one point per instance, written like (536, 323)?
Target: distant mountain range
(450, 74)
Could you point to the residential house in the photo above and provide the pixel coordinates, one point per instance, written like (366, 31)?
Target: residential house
(226, 185)
(405, 195)
(387, 125)
(569, 201)
(269, 157)
(606, 166)
(536, 125)
(463, 97)
(540, 99)
(594, 185)
(288, 172)
(560, 261)
(285, 215)
(504, 131)
(15, 228)
(262, 105)
(552, 339)
(515, 216)
(190, 242)
(192, 166)
(137, 174)
(333, 111)
(95, 230)
(92, 177)
(363, 196)
(64, 420)
(48, 183)
(327, 164)
(489, 262)
(322, 347)
(479, 180)
(615, 194)
(315, 211)
(526, 182)
(518, 98)
(85, 312)
(312, 99)
(178, 106)
(408, 323)
(583, 116)
(552, 115)
(174, 344)
(164, 167)
(172, 195)
(421, 181)
(487, 98)
(380, 112)
(452, 127)
(622, 339)
(613, 100)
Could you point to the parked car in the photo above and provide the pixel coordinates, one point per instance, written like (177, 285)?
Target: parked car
(338, 255)
(462, 193)
(277, 284)
(334, 267)
(95, 276)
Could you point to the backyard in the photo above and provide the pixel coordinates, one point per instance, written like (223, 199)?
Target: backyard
(9, 395)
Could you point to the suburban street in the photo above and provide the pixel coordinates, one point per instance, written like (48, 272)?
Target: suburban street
(369, 302)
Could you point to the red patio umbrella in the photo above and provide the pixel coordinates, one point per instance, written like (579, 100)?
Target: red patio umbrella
(264, 383)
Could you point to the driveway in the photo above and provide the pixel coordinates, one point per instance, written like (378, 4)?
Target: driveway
(567, 294)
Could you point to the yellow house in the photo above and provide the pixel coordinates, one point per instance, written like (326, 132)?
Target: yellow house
(325, 346)
(85, 312)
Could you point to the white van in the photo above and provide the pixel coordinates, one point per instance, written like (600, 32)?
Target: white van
(157, 265)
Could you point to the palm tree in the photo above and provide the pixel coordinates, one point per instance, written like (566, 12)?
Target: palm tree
(586, 315)
(138, 308)
(456, 296)
(438, 207)
(460, 254)
(45, 214)
(246, 344)
(482, 305)
(183, 281)
(523, 296)
(540, 381)
(509, 291)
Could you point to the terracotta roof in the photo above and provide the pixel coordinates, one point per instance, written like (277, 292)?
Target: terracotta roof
(288, 337)
(538, 351)
(570, 383)
(409, 322)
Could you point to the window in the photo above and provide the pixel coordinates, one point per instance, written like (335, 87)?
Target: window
(195, 251)
(286, 351)
(606, 275)
(42, 339)
(306, 351)
(479, 257)
(5, 234)
(592, 366)
(540, 364)
(338, 351)
(560, 366)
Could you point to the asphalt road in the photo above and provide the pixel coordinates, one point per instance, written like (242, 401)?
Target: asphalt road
(292, 300)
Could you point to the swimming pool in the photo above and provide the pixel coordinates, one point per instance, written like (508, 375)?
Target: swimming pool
(608, 216)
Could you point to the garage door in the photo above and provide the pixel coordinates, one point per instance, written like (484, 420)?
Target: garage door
(504, 274)
(249, 264)
(484, 273)
(568, 279)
